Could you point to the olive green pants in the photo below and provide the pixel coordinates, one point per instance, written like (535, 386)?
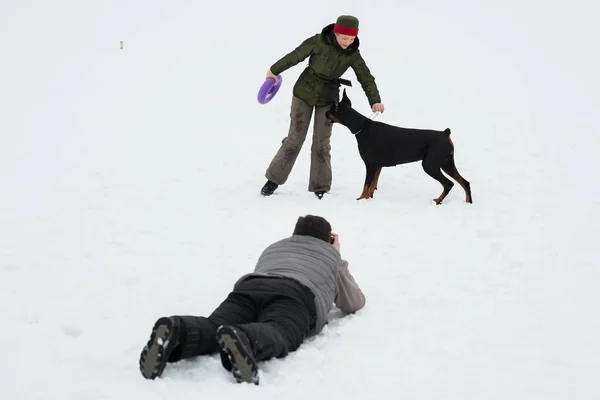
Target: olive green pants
(320, 151)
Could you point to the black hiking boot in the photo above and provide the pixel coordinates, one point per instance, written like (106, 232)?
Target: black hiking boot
(156, 353)
(320, 194)
(236, 354)
(268, 188)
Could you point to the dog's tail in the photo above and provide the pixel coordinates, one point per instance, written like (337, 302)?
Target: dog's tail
(447, 131)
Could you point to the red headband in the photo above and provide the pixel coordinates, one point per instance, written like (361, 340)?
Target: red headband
(344, 30)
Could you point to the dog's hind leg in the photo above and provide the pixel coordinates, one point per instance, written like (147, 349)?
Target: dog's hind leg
(369, 179)
(449, 167)
(431, 165)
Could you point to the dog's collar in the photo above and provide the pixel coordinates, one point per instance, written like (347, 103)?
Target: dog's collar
(367, 123)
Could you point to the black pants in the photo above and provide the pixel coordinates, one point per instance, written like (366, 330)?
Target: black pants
(275, 314)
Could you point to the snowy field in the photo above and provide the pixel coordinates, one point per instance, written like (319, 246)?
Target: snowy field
(130, 179)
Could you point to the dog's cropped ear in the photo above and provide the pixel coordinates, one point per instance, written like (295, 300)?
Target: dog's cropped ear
(345, 98)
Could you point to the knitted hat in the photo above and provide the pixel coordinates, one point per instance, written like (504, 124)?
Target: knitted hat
(346, 25)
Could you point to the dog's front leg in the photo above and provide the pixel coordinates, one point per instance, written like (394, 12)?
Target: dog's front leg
(364, 194)
(369, 177)
(373, 187)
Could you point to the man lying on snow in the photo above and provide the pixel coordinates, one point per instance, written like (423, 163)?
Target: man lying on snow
(270, 311)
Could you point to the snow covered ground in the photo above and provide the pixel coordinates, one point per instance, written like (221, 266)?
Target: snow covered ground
(130, 178)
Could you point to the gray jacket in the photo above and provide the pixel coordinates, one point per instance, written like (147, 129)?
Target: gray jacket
(317, 265)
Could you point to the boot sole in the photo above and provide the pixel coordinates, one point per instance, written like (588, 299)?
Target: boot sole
(154, 358)
(243, 365)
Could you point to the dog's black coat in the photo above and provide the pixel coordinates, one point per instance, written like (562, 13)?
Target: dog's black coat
(388, 145)
(383, 145)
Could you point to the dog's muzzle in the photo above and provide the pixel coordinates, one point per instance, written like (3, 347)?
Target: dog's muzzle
(330, 116)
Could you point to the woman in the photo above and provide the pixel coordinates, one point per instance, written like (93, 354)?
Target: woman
(331, 52)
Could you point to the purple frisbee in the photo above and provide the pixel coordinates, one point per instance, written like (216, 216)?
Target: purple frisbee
(268, 90)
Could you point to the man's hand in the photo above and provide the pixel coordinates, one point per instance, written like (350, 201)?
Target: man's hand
(378, 107)
(271, 75)
(336, 241)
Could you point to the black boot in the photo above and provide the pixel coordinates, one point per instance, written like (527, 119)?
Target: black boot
(268, 188)
(163, 340)
(320, 194)
(236, 354)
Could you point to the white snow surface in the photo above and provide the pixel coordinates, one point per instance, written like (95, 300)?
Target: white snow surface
(130, 183)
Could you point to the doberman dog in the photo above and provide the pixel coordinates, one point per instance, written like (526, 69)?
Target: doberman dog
(382, 145)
